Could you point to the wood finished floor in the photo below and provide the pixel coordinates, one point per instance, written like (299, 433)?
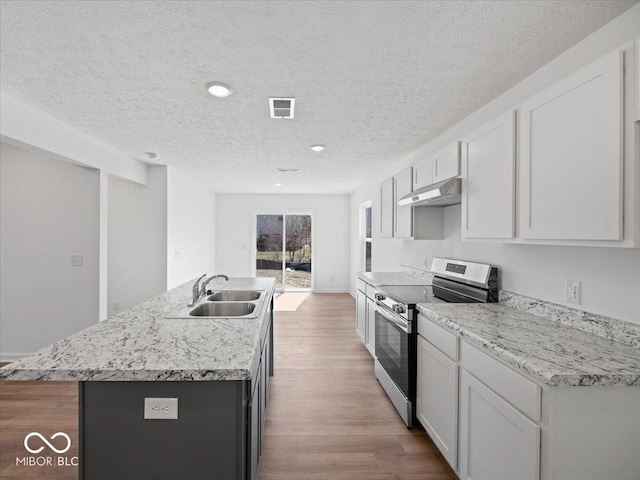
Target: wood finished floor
(328, 418)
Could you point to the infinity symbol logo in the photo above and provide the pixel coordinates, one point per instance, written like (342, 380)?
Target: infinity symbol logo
(55, 435)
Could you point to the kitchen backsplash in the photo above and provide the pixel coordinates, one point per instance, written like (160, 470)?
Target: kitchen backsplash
(417, 273)
(605, 327)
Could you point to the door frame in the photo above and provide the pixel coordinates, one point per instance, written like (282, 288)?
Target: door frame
(283, 212)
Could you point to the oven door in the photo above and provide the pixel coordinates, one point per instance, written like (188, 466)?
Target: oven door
(393, 347)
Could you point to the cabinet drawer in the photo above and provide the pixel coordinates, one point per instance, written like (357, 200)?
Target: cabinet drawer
(446, 341)
(371, 292)
(509, 384)
(361, 285)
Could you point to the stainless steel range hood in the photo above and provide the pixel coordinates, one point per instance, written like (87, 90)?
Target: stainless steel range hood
(439, 194)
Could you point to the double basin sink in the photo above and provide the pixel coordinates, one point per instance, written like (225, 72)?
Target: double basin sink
(224, 304)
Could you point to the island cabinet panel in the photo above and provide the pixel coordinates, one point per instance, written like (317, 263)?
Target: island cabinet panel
(208, 435)
(488, 179)
(571, 157)
(254, 436)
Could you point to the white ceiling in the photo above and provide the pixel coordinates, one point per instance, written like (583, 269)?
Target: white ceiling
(373, 81)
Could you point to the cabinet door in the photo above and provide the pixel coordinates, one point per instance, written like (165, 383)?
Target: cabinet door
(361, 314)
(255, 429)
(437, 399)
(488, 179)
(423, 173)
(371, 326)
(403, 185)
(446, 163)
(496, 441)
(572, 157)
(386, 208)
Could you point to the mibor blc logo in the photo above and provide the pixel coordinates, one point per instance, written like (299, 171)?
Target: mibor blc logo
(35, 443)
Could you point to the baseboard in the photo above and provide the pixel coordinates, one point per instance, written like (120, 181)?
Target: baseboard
(339, 290)
(12, 357)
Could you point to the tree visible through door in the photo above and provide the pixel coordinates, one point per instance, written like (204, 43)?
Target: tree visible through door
(283, 250)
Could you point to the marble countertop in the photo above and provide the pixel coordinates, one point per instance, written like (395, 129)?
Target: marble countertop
(378, 279)
(553, 353)
(140, 344)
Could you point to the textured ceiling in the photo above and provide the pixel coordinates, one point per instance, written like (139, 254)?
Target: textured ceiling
(373, 81)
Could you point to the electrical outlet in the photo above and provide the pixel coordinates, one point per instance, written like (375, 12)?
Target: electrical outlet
(76, 260)
(573, 292)
(177, 254)
(331, 279)
(160, 408)
(426, 263)
(116, 306)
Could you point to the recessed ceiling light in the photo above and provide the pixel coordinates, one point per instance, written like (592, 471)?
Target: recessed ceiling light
(317, 148)
(278, 184)
(219, 89)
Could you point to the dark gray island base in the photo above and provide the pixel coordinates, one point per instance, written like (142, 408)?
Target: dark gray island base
(219, 370)
(217, 435)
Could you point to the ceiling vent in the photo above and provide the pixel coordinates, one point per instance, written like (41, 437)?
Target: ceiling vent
(288, 170)
(281, 107)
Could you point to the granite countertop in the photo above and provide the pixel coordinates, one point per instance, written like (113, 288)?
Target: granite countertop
(140, 344)
(378, 279)
(553, 353)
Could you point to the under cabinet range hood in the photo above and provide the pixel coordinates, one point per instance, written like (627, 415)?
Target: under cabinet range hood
(439, 194)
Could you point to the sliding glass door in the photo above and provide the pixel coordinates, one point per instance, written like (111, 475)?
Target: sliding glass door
(283, 250)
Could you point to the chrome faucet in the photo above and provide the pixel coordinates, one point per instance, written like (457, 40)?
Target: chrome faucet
(195, 291)
(203, 288)
(199, 290)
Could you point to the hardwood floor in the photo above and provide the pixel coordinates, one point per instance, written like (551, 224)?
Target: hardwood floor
(45, 407)
(328, 418)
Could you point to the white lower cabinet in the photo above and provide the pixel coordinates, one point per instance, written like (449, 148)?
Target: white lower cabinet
(497, 442)
(366, 314)
(437, 399)
(370, 330)
(361, 314)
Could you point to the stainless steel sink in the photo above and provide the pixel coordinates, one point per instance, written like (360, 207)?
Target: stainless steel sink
(223, 309)
(235, 296)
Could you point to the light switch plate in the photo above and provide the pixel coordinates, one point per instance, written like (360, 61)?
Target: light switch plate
(160, 408)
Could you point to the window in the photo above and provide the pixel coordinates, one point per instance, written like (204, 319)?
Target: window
(365, 235)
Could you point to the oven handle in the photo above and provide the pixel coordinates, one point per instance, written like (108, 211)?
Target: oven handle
(401, 323)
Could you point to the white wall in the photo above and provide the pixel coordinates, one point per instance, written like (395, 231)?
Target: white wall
(610, 277)
(137, 240)
(191, 229)
(235, 215)
(48, 211)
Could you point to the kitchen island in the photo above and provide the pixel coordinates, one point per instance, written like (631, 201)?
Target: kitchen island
(217, 368)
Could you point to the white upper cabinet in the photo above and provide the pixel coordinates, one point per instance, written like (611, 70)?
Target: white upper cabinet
(446, 163)
(423, 173)
(571, 157)
(403, 216)
(488, 179)
(387, 208)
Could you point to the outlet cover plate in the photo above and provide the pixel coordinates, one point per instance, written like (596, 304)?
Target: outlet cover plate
(573, 292)
(160, 408)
